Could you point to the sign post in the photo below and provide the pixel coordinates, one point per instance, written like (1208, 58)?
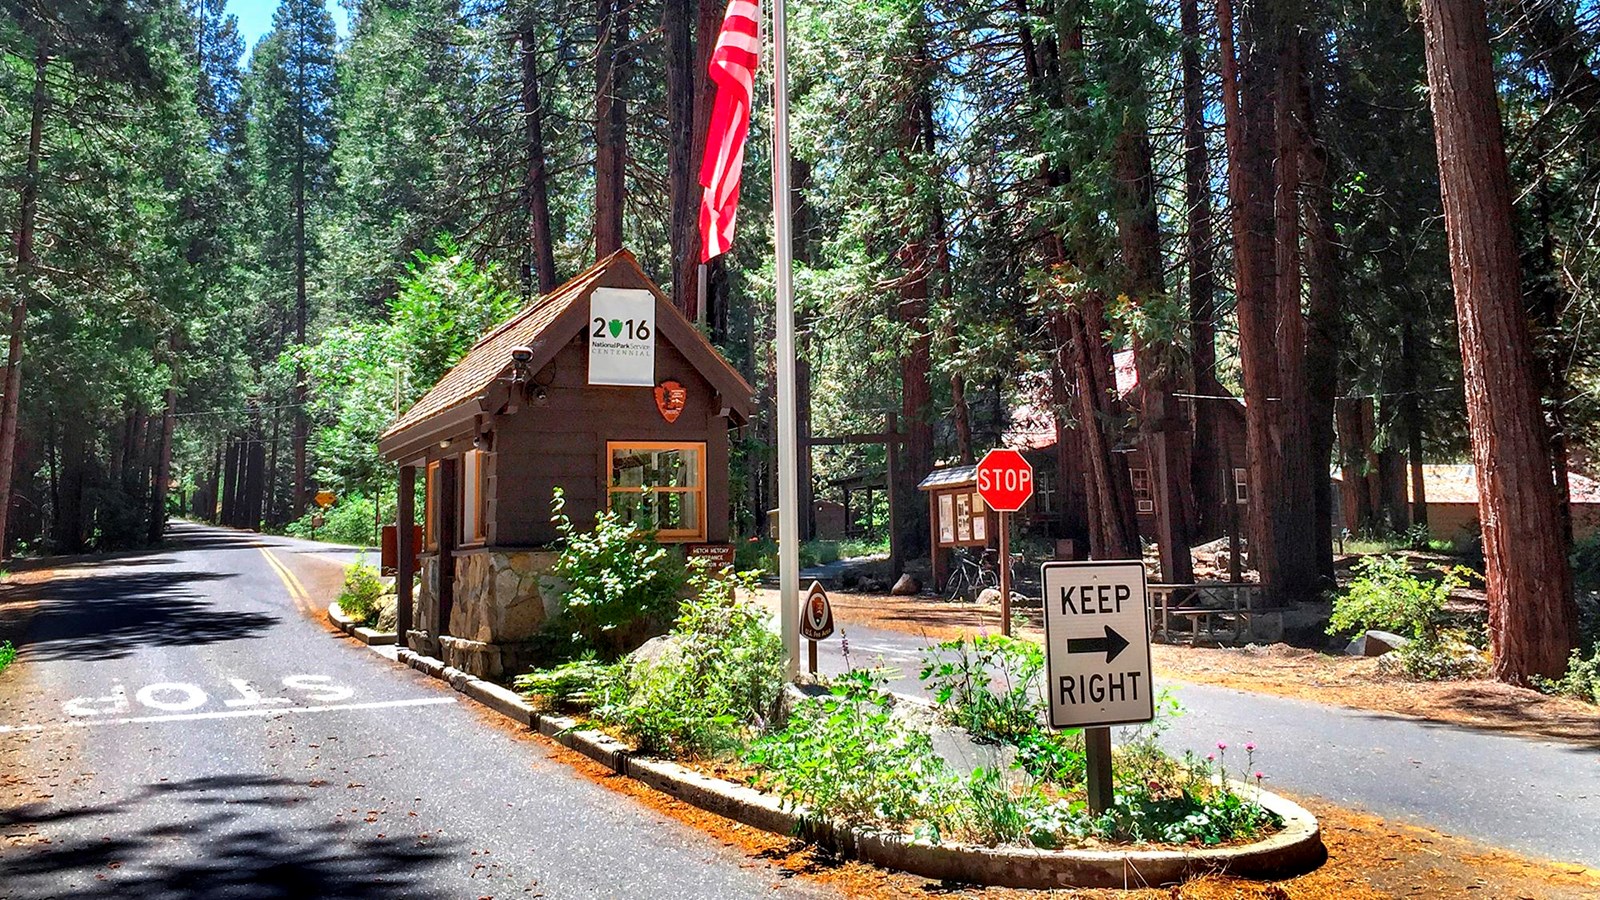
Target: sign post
(1097, 657)
(1005, 482)
(816, 620)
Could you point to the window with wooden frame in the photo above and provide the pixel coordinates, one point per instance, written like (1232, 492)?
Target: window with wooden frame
(1144, 499)
(1241, 485)
(430, 507)
(659, 486)
(474, 497)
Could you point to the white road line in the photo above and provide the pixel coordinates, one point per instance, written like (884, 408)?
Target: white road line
(231, 714)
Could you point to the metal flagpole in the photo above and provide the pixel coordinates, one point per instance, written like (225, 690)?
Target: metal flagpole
(788, 482)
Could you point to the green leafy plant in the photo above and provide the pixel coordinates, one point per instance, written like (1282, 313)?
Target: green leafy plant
(987, 685)
(1386, 595)
(348, 521)
(714, 681)
(847, 756)
(1582, 678)
(1056, 757)
(8, 655)
(618, 580)
(359, 596)
(579, 684)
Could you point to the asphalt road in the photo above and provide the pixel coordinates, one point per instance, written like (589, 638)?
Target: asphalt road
(1536, 797)
(180, 725)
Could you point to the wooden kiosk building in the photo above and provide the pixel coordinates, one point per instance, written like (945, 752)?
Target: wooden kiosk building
(601, 389)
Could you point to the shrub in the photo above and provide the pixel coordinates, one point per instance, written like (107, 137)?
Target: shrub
(847, 756)
(715, 681)
(8, 655)
(579, 684)
(617, 579)
(987, 685)
(1387, 596)
(358, 598)
(1582, 679)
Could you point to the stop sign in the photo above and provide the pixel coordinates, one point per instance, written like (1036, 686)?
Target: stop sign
(1005, 480)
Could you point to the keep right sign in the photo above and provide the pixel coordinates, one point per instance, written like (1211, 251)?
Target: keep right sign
(1097, 642)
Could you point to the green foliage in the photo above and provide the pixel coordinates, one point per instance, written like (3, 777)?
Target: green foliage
(714, 681)
(358, 597)
(579, 684)
(1586, 563)
(1197, 812)
(1385, 595)
(987, 685)
(1054, 757)
(1582, 678)
(617, 579)
(350, 520)
(847, 756)
(8, 655)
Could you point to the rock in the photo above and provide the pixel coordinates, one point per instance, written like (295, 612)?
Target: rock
(386, 612)
(906, 586)
(655, 650)
(1375, 643)
(989, 597)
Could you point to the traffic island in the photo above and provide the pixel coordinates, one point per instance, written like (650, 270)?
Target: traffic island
(1294, 848)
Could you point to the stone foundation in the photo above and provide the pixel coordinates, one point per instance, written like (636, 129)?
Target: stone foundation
(502, 599)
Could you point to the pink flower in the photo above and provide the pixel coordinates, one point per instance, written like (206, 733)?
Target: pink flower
(1250, 747)
(1221, 745)
(1259, 776)
(1211, 757)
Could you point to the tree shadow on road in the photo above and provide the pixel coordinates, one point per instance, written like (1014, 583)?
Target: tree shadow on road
(109, 616)
(219, 836)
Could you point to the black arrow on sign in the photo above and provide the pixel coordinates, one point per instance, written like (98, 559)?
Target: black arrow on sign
(1111, 645)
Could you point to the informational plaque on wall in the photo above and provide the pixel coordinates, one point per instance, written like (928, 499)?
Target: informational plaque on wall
(622, 337)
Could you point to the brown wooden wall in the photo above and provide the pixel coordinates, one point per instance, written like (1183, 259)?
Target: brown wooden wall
(562, 442)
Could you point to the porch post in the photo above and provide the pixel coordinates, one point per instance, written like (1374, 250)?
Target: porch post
(405, 574)
(446, 509)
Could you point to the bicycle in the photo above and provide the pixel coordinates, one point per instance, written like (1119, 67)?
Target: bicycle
(970, 577)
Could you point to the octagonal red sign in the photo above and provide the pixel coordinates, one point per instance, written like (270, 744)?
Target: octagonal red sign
(1005, 480)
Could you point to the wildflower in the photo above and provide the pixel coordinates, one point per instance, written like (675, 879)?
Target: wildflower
(1259, 776)
(1250, 747)
(1211, 757)
(1221, 745)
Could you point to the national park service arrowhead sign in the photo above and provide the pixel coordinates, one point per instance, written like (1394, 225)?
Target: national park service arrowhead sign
(1097, 644)
(816, 614)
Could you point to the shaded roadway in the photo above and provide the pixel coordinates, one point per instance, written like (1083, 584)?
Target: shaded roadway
(356, 777)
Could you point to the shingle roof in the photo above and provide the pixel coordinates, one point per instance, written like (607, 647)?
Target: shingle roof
(490, 356)
(954, 476)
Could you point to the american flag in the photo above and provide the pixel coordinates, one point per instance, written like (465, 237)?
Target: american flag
(733, 69)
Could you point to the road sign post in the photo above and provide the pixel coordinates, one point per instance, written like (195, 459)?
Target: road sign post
(1097, 657)
(1005, 482)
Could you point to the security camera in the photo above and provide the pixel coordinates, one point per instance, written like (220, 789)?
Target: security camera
(522, 355)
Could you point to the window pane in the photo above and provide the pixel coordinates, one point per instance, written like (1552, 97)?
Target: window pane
(652, 511)
(638, 467)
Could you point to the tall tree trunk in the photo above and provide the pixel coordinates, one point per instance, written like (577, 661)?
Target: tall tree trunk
(1322, 331)
(610, 125)
(302, 420)
(1114, 524)
(1247, 86)
(1411, 417)
(541, 256)
(677, 27)
(1161, 424)
(1206, 478)
(163, 467)
(1532, 616)
(255, 481)
(22, 277)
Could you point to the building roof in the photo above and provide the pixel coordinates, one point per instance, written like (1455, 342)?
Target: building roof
(490, 357)
(953, 476)
(1459, 484)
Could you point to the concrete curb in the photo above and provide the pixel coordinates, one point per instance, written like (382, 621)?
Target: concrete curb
(369, 636)
(1295, 849)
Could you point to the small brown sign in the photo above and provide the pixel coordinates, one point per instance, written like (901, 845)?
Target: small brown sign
(816, 614)
(670, 399)
(717, 556)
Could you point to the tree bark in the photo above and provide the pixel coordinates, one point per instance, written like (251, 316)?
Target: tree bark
(1323, 317)
(535, 185)
(163, 468)
(677, 24)
(1206, 479)
(23, 273)
(610, 125)
(1532, 616)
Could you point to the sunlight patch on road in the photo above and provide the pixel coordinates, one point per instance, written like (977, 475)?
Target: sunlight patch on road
(227, 714)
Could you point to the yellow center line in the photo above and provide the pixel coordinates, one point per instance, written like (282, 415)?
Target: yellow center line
(297, 591)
